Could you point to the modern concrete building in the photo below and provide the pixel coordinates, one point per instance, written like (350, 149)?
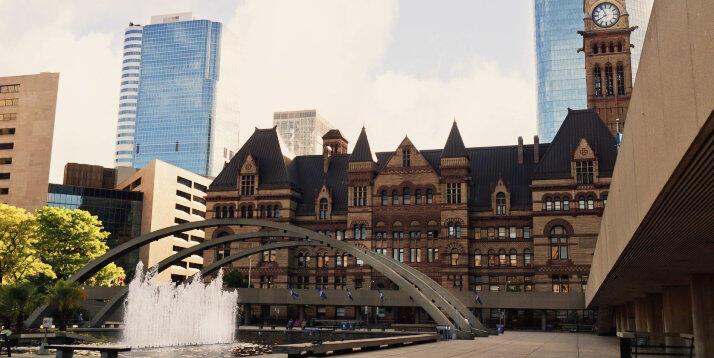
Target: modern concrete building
(178, 94)
(27, 118)
(90, 176)
(301, 131)
(171, 196)
(560, 75)
(652, 268)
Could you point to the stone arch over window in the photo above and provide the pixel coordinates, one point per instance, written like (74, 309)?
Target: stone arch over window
(558, 222)
(501, 199)
(527, 257)
(222, 231)
(558, 243)
(385, 198)
(512, 258)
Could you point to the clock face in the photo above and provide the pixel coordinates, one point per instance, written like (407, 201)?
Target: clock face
(606, 14)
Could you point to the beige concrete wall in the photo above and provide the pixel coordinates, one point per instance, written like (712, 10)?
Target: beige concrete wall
(159, 185)
(671, 101)
(34, 126)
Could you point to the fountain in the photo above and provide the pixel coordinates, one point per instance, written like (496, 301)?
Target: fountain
(161, 315)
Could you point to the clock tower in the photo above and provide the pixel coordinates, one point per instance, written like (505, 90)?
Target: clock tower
(606, 43)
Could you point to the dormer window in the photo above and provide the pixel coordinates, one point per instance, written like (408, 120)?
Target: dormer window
(247, 185)
(324, 213)
(406, 158)
(584, 172)
(501, 204)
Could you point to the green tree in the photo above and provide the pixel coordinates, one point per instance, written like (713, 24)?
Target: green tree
(18, 238)
(234, 279)
(17, 300)
(65, 298)
(70, 239)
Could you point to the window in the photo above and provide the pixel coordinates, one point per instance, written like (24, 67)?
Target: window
(406, 196)
(454, 257)
(556, 203)
(528, 283)
(242, 211)
(453, 193)
(491, 258)
(395, 197)
(513, 259)
(7, 145)
(398, 234)
(620, 80)
(417, 197)
(597, 81)
(429, 196)
(512, 284)
(451, 229)
(406, 158)
(320, 260)
(183, 181)
(7, 131)
(338, 235)
(584, 172)
(10, 89)
(548, 204)
(604, 200)
(477, 258)
(4, 191)
(412, 255)
(512, 232)
(269, 211)
(493, 285)
(8, 116)
(609, 92)
(595, 49)
(301, 260)
(619, 47)
(183, 194)
(223, 250)
(200, 187)
(323, 209)
(415, 234)
(360, 232)
(418, 255)
(603, 49)
(385, 198)
(266, 281)
(501, 233)
(9, 102)
(5, 161)
(526, 232)
(458, 230)
(247, 185)
(612, 47)
(359, 196)
(591, 203)
(560, 283)
(583, 282)
(276, 212)
(526, 257)
(502, 258)
(180, 207)
(558, 243)
(268, 256)
(432, 255)
(478, 280)
(581, 203)
(566, 203)
(500, 204)
(199, 199)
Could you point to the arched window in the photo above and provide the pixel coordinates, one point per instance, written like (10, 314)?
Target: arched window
(250, 211)
(338, 260)
(612, 47)
(620, 80)
(556, 203)
(323, 209)
(609, 90)
(417, 197)
(231, 212)
(218, 212)
(603, 49)
(270, 211)
(242, 211)
(477, 258)
(513, 260)
(526, 257)
(619, 47)
(356, 232)
(268, 256)
(566, 203)
(301, 260)
(458, 230)
(385, 197)
(276, 213)
(581, 203)
(429, 196)
(597, 81)
(454, 257)
(548, 204)
(491, 258)
(500, 204)
(395, 197)
(338, 235)
(406, 196)
(320, 260)
(591, 203)
(558, 243)
(363, 231)
(451, 230)
(262, 211)
(225, 211)
(502, 258)
(595, 49)
(604, 200)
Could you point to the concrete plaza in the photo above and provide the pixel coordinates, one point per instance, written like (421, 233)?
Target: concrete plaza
(510, 344)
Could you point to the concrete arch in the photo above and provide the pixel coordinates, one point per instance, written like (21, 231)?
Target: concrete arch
(429, 294)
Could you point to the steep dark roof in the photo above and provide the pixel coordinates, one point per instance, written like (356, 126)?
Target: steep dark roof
(578, 124)
(454, 147)
(311, 178)
(361, 152)
(333, 134)
(264, 146)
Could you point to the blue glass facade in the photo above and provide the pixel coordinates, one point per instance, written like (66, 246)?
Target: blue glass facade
(560, 69)
(179, 71)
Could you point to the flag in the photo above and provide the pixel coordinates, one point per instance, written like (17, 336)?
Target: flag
(294, 294)
(478, 299)
(381, 295)
(349, 294)
(619, 138)
(321, 292)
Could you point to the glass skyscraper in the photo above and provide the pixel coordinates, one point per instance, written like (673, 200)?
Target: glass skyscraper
(560, 68)
(180, 116)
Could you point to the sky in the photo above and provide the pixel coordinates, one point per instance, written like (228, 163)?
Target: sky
(397, 67)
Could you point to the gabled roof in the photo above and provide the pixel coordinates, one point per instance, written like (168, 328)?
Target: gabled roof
(361, 152)
(578, 124)
(264, 146)
(311, 177)
(454, 147)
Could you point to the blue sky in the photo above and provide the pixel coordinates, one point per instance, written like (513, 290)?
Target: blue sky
(398, 67)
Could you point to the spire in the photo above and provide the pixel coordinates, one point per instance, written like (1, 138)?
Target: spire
(361, 152)
(454, 147)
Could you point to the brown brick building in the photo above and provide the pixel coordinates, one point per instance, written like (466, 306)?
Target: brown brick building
(518, 220)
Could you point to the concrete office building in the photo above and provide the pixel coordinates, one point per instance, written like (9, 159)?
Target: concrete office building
(652, 269)
(171, 196)
(560, 66)
(27, 118)
(178, 94)
(301, 131)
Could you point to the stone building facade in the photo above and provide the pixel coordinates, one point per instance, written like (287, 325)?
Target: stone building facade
(514, 220)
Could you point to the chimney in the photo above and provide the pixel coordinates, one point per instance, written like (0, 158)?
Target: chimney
(520, 150)
(326, 154)
(536, 148)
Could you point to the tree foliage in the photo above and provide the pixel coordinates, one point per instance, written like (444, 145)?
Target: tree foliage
(66, 298)
(18, 238)
(17, 300)
(234, 279)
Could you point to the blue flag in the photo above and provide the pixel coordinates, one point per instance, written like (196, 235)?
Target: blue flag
(349, 294)
(478, 299)
(294, 294)
(321, 292)
(381, 295)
